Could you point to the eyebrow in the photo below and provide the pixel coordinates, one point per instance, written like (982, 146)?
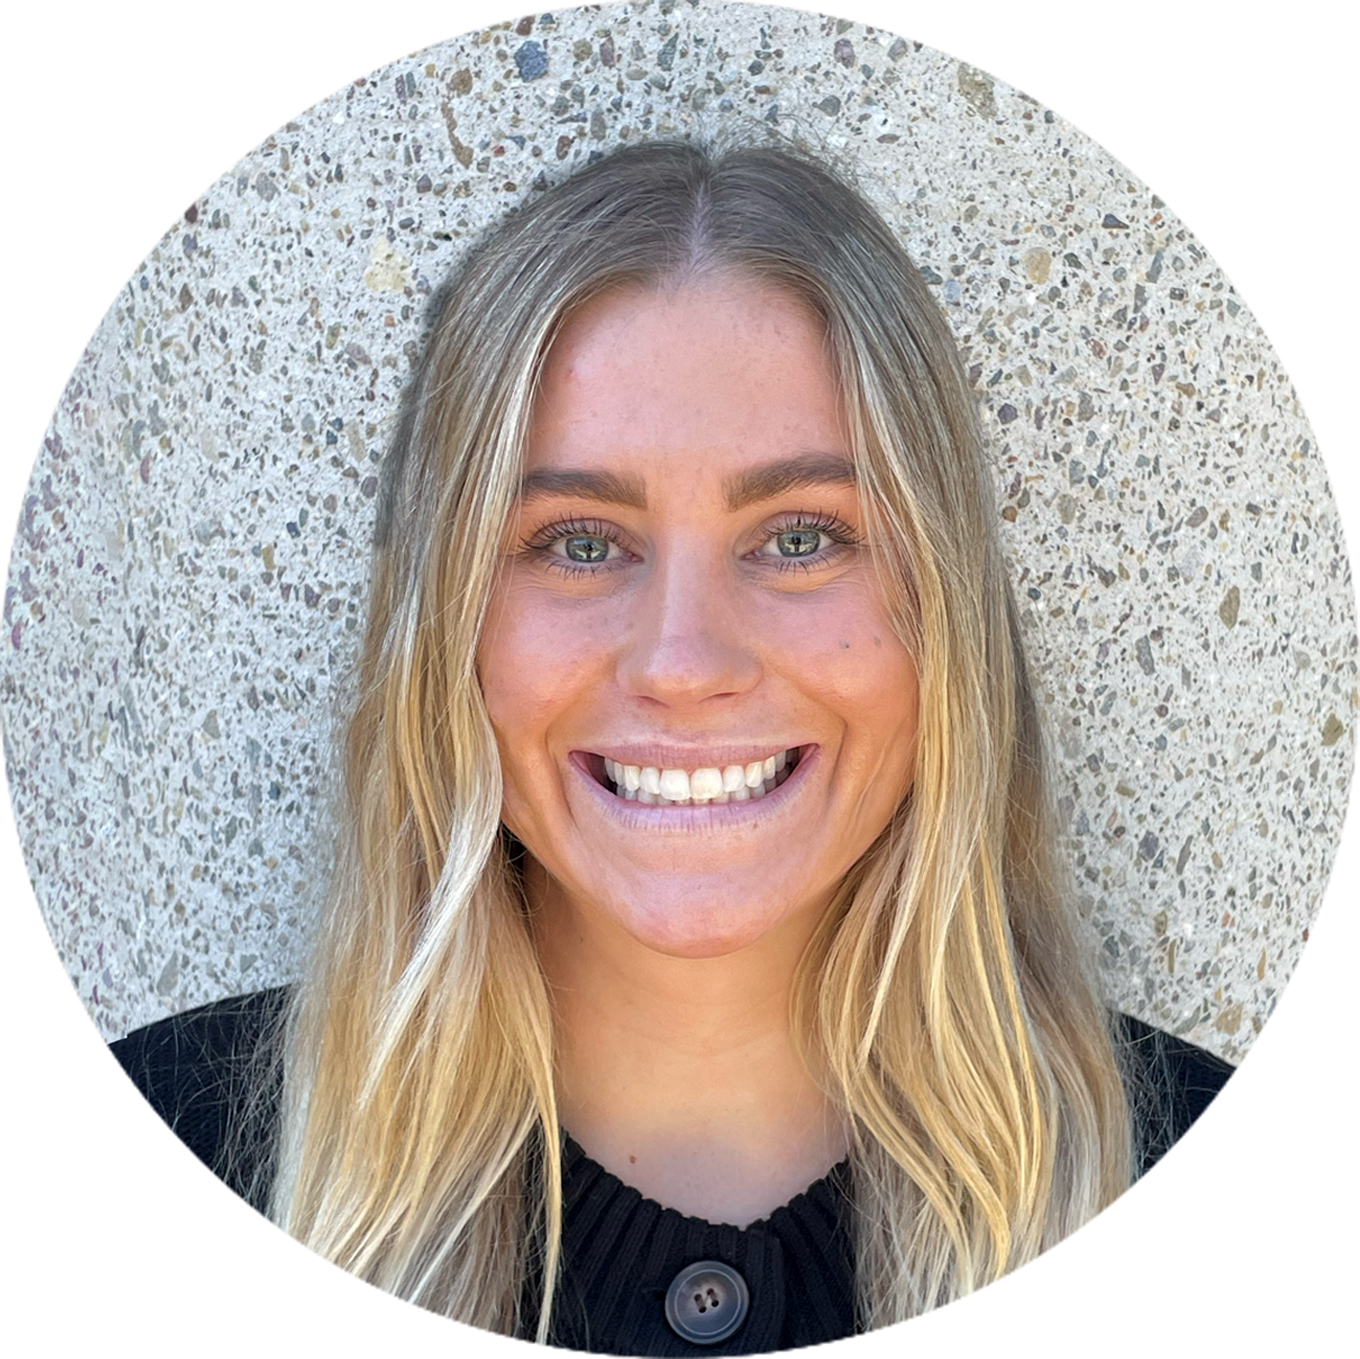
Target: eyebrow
(750, 487)
(603, 486)
(788, 474)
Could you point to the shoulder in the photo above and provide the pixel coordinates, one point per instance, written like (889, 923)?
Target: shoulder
(1170, 1084)
(210, 1074)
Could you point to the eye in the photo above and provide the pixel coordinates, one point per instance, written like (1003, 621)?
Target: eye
(798, 542)
(586, 548)
(805, 542)
(577, 548)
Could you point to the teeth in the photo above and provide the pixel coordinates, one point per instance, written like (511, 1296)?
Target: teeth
(679, 787)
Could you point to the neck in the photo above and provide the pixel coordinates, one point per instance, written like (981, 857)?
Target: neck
(681, 1075)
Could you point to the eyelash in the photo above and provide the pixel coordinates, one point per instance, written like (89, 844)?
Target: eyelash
(541, 543)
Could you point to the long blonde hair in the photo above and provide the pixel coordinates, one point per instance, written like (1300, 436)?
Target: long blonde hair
(943, 1002)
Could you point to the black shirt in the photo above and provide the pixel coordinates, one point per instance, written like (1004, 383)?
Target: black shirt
(621, 1252)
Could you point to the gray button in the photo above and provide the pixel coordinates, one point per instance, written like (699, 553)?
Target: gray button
(706, 1302)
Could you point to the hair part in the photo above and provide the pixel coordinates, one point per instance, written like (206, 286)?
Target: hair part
(943, 1003)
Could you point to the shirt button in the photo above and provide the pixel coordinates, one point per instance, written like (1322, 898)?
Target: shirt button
(706, 1302)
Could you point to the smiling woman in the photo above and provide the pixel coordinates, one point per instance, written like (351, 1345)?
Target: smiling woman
(704, 720)
(721, 633)
(695, 808)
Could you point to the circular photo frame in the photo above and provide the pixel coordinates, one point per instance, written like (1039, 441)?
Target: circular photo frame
(1137, 900)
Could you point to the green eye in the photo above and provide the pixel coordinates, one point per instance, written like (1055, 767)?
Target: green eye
(585, 548)
(798, 542)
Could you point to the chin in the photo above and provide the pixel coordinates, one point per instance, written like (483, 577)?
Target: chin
(695, 922)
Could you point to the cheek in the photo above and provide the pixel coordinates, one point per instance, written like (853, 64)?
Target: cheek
(908, 722)
(863, 673)
(884, 707)
(534, 665)
(846, 649)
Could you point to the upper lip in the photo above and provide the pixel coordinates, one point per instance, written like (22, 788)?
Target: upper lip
(691, 757)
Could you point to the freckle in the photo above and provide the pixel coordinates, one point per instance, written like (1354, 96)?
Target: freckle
(632, 1160)
(878, 641)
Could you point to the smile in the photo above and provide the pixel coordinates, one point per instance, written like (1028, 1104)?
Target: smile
(705, 786)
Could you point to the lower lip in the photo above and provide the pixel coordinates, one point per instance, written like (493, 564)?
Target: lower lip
(705, 816)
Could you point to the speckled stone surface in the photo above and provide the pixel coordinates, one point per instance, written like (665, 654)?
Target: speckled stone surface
(190, 571)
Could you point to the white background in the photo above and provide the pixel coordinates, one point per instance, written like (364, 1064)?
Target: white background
(116, 116)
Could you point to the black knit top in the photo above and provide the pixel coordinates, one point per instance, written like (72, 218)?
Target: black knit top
(796, 1263)
(621, 1252)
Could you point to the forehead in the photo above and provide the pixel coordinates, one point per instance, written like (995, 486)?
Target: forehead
(719, 371)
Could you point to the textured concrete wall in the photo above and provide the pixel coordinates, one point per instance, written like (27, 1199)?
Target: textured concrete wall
(189, 574)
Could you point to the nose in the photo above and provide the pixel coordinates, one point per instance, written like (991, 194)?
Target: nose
(688, 639)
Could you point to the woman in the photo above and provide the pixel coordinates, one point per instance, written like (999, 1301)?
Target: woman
(696, 850)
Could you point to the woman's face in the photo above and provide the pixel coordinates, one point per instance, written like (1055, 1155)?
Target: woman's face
(686, 600)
